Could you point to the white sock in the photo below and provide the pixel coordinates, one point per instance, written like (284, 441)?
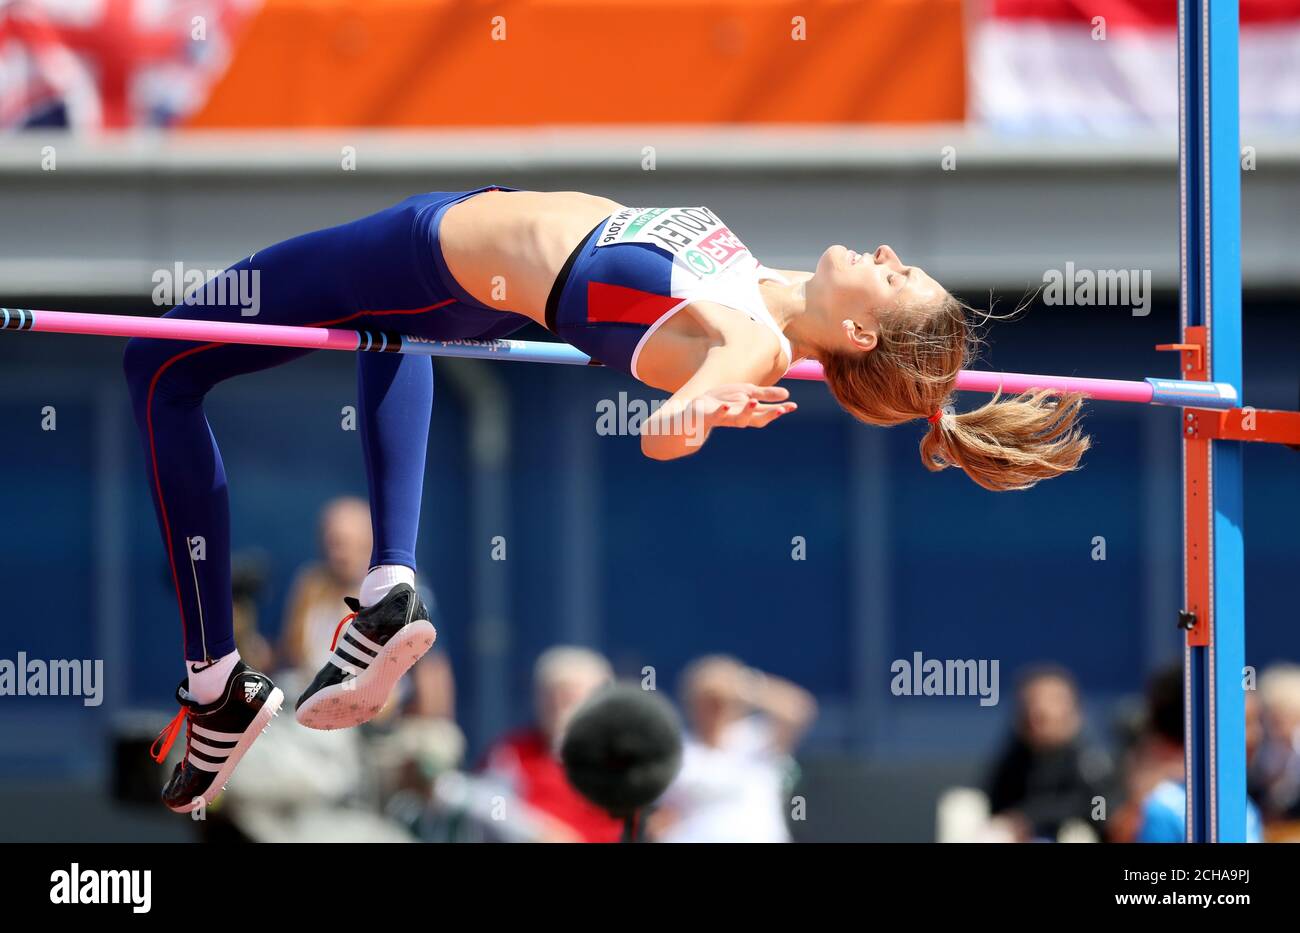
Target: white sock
(207, 683)
(380, 580)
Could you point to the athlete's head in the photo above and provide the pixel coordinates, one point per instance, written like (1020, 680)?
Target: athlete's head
(891, 341)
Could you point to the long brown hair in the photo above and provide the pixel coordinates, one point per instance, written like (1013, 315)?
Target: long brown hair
(1008, 443)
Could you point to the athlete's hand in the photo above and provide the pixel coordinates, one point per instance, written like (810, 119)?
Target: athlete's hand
(743, 405)
(680, 428)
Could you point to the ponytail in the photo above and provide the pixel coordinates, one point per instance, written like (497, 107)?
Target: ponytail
(1009, 443)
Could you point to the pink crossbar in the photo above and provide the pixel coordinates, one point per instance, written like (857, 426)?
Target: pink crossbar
(1115, 390)
(1150, 391)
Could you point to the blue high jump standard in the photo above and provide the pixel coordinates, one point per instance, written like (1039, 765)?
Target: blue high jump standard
(1210, 310)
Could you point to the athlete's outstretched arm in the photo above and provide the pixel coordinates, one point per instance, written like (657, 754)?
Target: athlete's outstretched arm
(725, 392)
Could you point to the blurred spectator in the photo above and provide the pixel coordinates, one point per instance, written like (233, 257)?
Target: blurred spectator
(316, 597)
(1047, 775)
(527, 762)
(736, 766)
(1156, 782)
(1275, 769)
(315, 607)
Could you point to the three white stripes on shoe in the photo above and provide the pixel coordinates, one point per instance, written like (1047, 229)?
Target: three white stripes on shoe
(214, 747)
(353, 651)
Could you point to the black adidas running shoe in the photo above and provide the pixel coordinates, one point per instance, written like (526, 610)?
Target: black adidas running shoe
(217, 736)
(372, 649)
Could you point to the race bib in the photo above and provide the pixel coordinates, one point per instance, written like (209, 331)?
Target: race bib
(697, 240)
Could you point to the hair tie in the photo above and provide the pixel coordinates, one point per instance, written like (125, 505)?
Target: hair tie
(935, 417)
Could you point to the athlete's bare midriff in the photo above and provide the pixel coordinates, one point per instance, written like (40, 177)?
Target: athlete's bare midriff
(506, 247)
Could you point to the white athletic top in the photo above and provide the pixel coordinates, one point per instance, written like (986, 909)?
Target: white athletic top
(708, 263)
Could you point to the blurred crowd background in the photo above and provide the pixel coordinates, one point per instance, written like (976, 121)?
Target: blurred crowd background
(769, 586)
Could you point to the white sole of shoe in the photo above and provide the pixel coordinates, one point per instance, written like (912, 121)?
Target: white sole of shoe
(270, 709)
(359, 699)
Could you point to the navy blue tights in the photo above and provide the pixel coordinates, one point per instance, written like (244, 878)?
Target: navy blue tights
(383, 272)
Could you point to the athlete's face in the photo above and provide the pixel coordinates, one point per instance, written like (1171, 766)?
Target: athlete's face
(876, 282)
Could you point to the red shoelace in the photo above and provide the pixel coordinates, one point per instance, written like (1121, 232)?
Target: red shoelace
(168, 736)
(342, 622)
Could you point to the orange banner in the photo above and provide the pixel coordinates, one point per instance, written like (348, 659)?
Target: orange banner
(419, 63)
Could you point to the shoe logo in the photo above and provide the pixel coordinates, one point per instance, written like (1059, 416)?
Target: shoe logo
(251, 689)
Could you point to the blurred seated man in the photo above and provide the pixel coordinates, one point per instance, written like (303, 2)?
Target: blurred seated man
(315, 606)
(527, 762)
(736, 768)
(1047, 775)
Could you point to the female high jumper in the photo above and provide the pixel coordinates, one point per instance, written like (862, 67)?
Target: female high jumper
(670, 296)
